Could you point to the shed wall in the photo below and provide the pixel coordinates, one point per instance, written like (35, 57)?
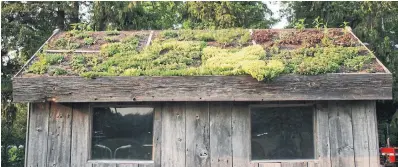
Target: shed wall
(204, 134)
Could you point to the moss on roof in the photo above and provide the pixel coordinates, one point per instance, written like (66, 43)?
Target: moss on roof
(263, 54)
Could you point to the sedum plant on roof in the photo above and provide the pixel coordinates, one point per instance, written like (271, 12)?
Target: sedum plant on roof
(215, 52)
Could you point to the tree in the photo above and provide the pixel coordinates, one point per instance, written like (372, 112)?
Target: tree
(191, 15)
(226, 14)
(134, 15)
(25, 26)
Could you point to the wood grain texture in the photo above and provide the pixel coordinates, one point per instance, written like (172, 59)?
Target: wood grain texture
(173, 135)
(127, 165)
(254, 164)
(241, 134)
(29, 109)
(370, 107)
(341, 136)
(322, 135)
(220, 134)
(313, 164)
(360, 133)
(157, 134)
(294, 164)
(203, 88)
(270, 165)
(104, 165)
(80, 135)
(198, 135)
(38, 133)
(59, 137)
(146, 165)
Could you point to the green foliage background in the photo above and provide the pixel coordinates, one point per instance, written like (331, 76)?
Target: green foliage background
(26, 25)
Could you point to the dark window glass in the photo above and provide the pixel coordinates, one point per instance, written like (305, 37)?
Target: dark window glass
(279, 133)
(122, 133)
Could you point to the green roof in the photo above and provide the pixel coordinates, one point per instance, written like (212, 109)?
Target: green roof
(263, 54)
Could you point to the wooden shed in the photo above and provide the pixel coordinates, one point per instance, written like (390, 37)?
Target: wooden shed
(185, 98)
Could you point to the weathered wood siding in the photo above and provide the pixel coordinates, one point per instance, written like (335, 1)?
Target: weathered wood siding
(377, 86)
(203, 134)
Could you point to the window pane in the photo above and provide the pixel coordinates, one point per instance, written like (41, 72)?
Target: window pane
(122, 133)
(279, 133)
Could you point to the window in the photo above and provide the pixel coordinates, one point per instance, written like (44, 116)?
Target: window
(281, 133)
(122, 133)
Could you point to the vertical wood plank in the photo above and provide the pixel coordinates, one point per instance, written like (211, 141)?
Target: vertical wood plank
(38, 133)
(146, 165)
(27, 134)
(241, 134)
(173, 134)
(220, 134)
(127, 165)
(80, 135)
(104, 165)
(314, 164)
(294, 164)
(270, 165)
(59, 138)
(198, 135)
(341, 139)
(322, 134)
(372, 133)
(360, 133)
(254, 164)
(157, 134)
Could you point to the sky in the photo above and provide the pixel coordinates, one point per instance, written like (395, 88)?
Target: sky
(275, 7)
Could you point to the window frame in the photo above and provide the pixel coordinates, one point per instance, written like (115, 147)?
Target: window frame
(315, 131)
(89, 140)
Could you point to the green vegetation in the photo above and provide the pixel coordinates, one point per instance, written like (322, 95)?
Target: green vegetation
(89, 41)
(186, 52)
(81, 35)
(57, 71)
(300, 24)
(65, 43)
(26, 25)
(111, 39)
(44, 61)
(225, 37)
(72, 46)
(61, 42)
(129, 44)
(358, 62)
(111, 33)
(52, 59)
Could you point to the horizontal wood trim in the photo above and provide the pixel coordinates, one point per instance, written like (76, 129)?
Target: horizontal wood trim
(376, 86)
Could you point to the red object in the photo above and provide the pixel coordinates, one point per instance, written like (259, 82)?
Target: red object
(389, 153)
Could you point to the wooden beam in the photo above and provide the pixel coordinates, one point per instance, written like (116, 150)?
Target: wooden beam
(377, 86)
